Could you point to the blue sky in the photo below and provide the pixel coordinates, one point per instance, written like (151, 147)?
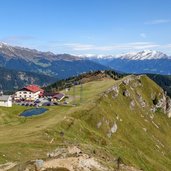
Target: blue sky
(87, 26)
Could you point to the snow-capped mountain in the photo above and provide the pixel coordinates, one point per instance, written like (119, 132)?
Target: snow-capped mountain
(143, 55)
(146, 61)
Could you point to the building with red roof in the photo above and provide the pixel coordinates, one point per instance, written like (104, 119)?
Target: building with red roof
(30, 93)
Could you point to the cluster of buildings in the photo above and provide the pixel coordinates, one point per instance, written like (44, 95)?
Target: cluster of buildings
(29, 93)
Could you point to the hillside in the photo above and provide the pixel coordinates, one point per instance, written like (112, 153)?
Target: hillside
(83, 78)
(54, 65)
(11, 80)
(163, 81)
(121, 121)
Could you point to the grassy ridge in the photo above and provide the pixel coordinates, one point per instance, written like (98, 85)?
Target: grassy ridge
(142, 139)
(138, 141)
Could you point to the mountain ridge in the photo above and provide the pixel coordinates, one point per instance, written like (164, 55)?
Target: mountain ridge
(47, 63)
(141, 55)
(153, 62)
(30, 54)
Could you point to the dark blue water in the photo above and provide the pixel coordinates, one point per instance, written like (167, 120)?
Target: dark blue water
(31, 112)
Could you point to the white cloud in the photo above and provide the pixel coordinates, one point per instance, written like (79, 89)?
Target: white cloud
(143, 45)
(159, 21)
(127, 46)
(79, 46)
(168, 46)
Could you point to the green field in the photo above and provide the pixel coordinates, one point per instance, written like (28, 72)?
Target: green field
(142, 139)
(22, 139)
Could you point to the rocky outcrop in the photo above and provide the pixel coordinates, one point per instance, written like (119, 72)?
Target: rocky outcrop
(141, 100)
(112, 130)
(163, 102)
(132, 104)
(69, 158)
(126, 93)
(127, 80)
(168, 107)
(114, 90)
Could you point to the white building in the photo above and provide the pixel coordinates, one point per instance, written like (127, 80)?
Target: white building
(29, 93)
(5, 101)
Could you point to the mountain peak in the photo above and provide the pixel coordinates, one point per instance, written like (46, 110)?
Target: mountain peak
(17, 52)
(143, 55)
(3, 44)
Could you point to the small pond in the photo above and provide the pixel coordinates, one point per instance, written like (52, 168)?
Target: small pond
(32, 112)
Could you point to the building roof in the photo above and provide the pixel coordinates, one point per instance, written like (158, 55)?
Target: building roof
(4, 97)
(59, 96)
(54, 95)
(33, 88)
(49, 94)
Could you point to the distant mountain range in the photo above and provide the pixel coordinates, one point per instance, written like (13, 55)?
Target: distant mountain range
(142, 62)
(20, 66)
(65, 65)
(58, 66)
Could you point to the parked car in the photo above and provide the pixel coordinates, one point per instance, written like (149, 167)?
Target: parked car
(55, 103)
(37, 101)
(46, 104)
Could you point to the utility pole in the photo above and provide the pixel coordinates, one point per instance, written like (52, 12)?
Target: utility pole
(74, 100)
(81, 92)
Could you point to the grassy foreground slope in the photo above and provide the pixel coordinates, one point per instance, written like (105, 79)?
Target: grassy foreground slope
(142, 137)
(116, 119)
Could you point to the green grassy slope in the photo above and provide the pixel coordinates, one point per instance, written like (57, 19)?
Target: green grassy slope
(21, 138)
(131, 142)
(142, 138)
